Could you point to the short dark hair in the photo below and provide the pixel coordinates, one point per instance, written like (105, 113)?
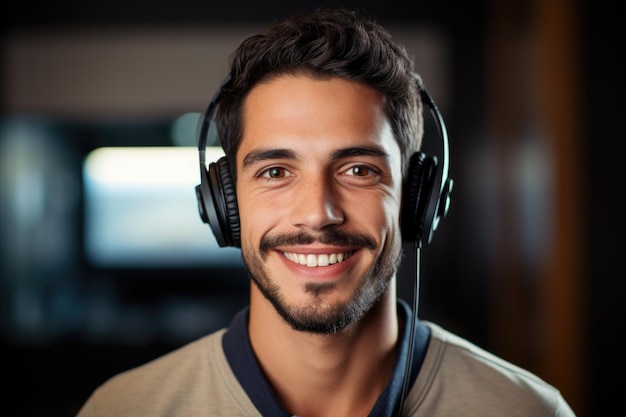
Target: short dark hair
(327, 43)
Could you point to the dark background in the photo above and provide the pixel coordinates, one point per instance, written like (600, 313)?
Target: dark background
(558, 316)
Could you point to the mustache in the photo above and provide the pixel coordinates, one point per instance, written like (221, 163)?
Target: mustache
(328, 237)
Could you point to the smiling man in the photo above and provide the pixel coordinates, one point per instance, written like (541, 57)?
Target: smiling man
(319, 192)
(321, 122)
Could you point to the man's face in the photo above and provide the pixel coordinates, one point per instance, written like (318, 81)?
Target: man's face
(319, 189)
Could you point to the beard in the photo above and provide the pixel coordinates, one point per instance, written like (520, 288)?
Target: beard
(317, 316)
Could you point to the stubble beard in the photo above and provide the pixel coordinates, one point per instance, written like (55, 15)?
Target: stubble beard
(318, 316)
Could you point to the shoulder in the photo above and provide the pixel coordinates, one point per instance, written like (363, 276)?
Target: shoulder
(459, 376)
(183, 377)
(179, 363)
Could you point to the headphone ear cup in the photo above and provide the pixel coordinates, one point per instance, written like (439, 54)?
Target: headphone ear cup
(420, 192)
(217, 203)
(231, 208)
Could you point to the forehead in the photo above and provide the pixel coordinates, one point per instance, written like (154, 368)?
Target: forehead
(297, 111)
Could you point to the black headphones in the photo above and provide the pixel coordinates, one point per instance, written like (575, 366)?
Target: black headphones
(426, 188)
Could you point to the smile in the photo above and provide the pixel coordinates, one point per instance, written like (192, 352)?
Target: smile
(316, 260)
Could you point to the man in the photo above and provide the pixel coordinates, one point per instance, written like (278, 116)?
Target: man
(319, 120)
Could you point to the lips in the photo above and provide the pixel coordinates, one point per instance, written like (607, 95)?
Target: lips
(314, 260)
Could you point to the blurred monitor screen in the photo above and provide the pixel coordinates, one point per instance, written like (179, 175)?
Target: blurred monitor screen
(141, 210)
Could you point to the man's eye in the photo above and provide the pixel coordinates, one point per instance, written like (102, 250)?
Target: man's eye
(275, 172)
(360, 171)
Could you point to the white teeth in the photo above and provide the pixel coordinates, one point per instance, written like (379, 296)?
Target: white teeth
(315, 260)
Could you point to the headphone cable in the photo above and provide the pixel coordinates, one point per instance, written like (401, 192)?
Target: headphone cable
(409, 358)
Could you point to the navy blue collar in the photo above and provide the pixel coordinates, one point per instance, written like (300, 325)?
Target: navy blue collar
(242, 361)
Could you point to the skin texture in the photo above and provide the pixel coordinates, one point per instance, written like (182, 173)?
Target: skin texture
(319, 173)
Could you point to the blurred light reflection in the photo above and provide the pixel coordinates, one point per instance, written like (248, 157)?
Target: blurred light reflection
(141, 210)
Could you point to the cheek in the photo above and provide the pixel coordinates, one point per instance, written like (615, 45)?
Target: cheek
(391, 208)
(256, 217)
(383, 216)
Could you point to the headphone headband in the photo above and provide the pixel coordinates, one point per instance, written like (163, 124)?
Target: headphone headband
(205, 121)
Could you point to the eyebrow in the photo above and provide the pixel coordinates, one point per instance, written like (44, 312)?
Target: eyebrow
(267, 154)
(270, 154)
(359, 151)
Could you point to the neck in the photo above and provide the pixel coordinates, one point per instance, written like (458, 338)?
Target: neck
(335, 374)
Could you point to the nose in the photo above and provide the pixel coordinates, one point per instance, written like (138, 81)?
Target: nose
(316, 204)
